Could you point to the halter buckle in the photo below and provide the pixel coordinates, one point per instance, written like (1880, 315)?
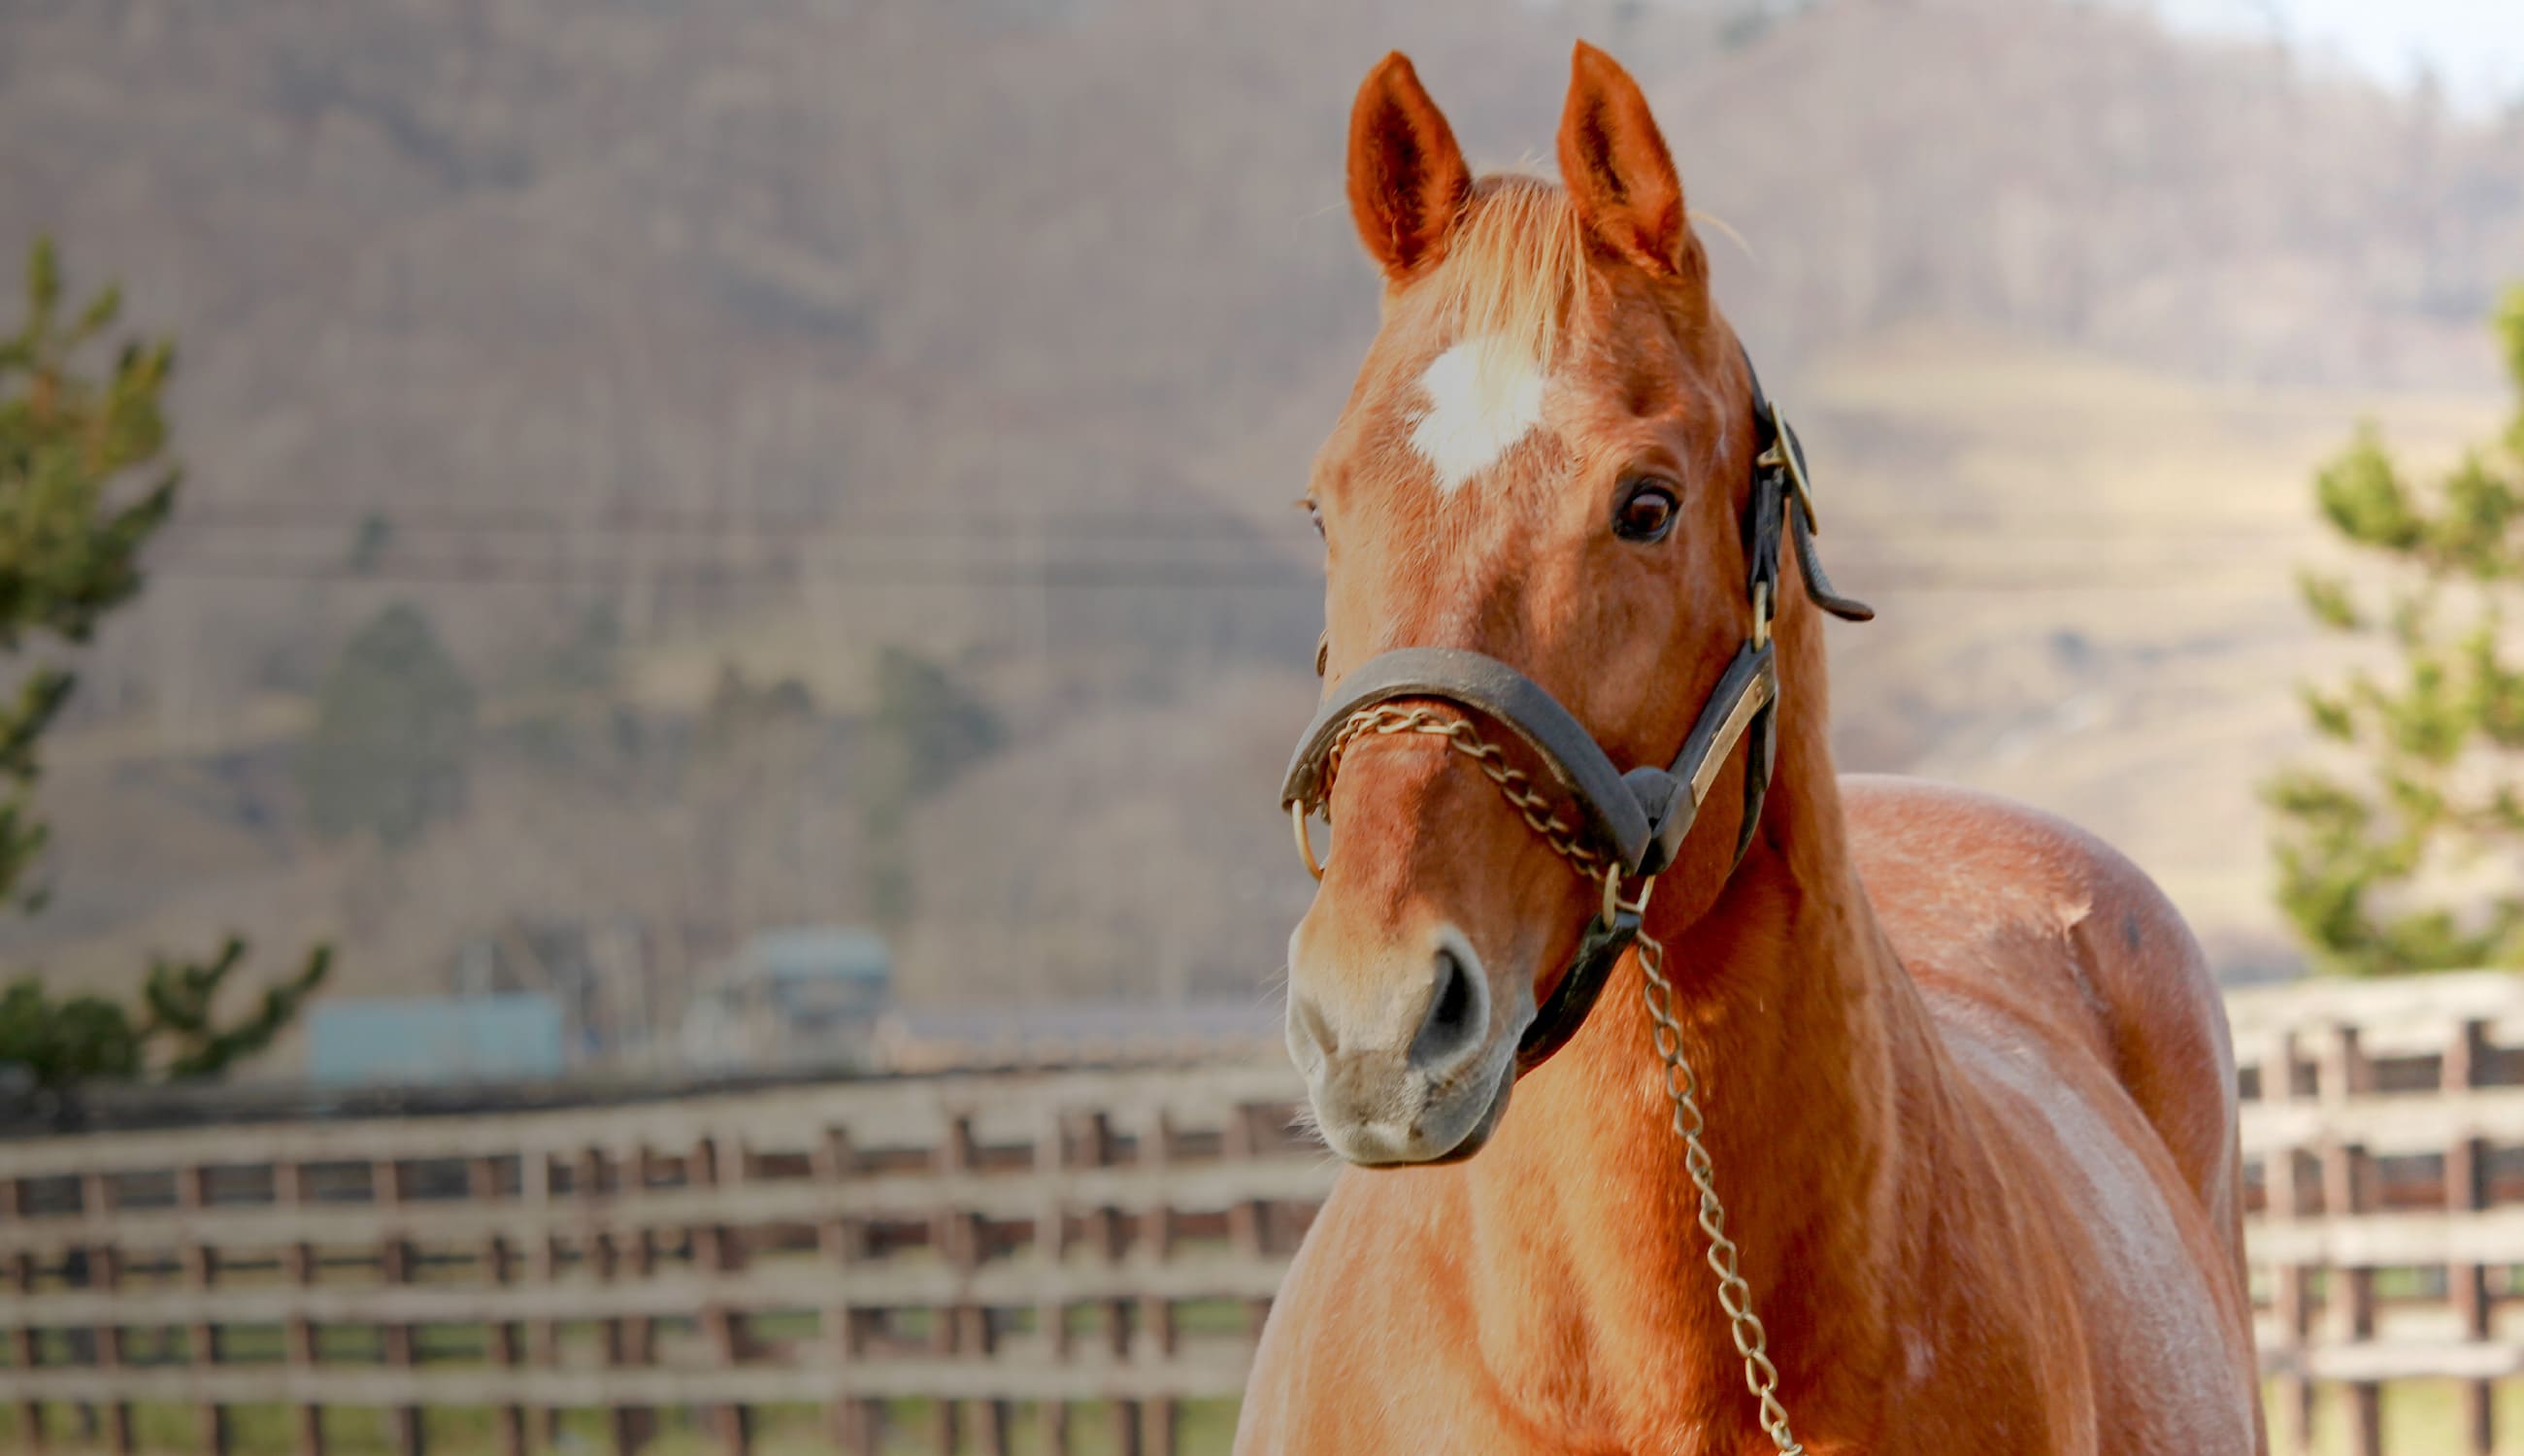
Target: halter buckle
(1784, 455)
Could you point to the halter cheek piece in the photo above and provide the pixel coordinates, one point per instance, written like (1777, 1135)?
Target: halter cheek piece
(1641, 816)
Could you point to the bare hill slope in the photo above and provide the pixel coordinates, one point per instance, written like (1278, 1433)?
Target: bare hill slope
(781, 332)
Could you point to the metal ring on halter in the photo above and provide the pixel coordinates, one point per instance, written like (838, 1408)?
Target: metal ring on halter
(1639, 906)
(1305, 842)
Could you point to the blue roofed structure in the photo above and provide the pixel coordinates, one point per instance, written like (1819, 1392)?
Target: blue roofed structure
(819, 953)
(419, 1040)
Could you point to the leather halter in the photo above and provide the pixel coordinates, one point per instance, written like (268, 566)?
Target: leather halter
(1641, 816)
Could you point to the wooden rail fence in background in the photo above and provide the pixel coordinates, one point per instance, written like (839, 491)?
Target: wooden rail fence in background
(966, 1253)
(956, 1246)
(2383, 1132)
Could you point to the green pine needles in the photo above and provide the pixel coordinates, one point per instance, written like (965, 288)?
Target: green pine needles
(83, 485)
(84, 482)
(2404, 851)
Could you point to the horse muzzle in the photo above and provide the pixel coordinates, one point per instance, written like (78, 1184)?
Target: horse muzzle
(1417, 1074)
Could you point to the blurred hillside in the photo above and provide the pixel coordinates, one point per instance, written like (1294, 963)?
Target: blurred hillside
(674, 361)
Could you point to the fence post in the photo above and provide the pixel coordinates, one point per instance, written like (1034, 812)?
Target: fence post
(1248, 1223)
(839, 1240)
(104, 1277)
(2291, 1285)
(978, 1335)
(1052, 1253)
(950, 1232)
(714, 1250)
(625, 1424)
(543, 1267)
(201, 1267)
(2466, 1186)
(2348, 1193)
(1105, 1238)
(500, 1334)
(1154, 1343)
(22, 1345)
(636, 1243)
(298, 1341)
(406, 1426)
(26, 1352)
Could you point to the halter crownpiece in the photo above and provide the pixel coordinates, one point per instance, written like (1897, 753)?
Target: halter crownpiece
(1633, 822)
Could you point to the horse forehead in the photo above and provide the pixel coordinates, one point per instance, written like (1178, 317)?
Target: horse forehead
(1466, 412)
(1473, 405)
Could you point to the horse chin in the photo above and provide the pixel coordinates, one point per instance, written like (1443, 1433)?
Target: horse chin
(1480, 1135)
(1370, 1147)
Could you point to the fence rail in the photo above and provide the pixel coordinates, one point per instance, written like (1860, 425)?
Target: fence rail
(2383, 1133)
(952, 1259)
(965, 1245)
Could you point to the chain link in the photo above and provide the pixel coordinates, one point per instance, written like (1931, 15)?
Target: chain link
(1734, 1295)
(1664, 1027)
(1460, 736)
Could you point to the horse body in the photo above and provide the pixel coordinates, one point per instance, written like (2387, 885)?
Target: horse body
(1989, 1197)
(1968, 1094)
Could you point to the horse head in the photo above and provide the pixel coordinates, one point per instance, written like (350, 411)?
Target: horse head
(1548, 461)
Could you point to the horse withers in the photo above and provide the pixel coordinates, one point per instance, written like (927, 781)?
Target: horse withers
(1908, 1109)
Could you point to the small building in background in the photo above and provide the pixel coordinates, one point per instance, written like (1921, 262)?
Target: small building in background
(600, 974)
(792, 998)
(435, 1041)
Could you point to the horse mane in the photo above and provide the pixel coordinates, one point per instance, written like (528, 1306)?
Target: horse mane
(1516, 264)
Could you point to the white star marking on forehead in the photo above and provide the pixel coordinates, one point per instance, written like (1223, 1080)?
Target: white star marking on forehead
(1484, 396)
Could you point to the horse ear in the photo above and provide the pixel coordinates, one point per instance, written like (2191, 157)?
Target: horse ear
(1407, 179)
(1613, 162)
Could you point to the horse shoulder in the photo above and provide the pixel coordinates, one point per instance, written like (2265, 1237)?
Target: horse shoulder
(2079, 1014)
(1997, 903)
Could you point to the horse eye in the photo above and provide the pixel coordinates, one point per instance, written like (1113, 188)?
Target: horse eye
(1646, 513)
(1315, 515)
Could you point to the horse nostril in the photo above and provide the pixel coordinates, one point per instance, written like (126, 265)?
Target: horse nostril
(1455, 1021)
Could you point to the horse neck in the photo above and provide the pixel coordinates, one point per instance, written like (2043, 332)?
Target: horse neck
(1795, 1019)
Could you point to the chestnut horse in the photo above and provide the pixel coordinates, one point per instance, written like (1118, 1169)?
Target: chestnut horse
(1969, 1101)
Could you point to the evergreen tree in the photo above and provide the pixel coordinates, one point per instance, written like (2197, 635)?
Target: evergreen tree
(59, 1044)
(2376, 865)
(179, 997)
(394, 727)
(926, 729)
(931, 727)
(84, 483)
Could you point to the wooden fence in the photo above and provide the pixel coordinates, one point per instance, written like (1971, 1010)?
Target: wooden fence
(955, 1259)
(943, 1249)
(2383, 1139)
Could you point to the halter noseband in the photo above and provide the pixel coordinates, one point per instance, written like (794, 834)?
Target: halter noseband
(1638, 817)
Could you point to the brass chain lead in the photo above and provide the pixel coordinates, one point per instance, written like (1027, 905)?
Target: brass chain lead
(1460, 736)
(1665, 1025)
(1734, 1295)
